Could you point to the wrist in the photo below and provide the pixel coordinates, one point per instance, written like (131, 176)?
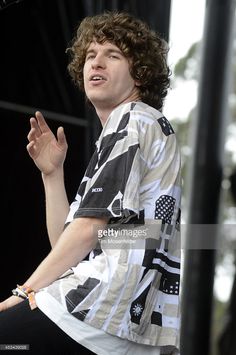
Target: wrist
(56, 175)
(25, 292)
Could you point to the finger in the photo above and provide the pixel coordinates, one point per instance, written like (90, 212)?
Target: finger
(31, 149)
(30, 145)
(61, 136)
(41, 122)
(32, 136)
(34, 125)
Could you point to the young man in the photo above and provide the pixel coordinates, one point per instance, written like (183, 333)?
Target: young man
(95, 289)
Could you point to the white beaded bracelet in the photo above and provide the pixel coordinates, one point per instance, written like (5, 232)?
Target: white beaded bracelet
(19, 293)
(25, 292)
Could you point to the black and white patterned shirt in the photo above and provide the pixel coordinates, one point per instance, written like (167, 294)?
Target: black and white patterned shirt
(129, 285)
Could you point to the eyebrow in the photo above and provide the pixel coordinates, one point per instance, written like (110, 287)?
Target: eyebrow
(108, 51)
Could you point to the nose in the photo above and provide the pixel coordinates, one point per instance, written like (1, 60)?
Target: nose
(98, 62)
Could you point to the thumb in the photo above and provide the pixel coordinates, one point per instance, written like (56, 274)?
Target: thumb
(3, 306)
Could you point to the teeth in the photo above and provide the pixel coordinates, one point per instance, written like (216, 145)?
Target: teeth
(97, 78)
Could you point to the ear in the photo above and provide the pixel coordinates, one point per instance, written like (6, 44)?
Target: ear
(137, 83)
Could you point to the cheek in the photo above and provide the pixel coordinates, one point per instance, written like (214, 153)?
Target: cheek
(85, 70)
(129, 81)
(126, 79)
(84, 77)
(129, 78)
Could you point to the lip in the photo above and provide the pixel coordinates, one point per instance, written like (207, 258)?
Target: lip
(98, 83)
(97, 74)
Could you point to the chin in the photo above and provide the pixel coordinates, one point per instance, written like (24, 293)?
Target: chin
(97, 101)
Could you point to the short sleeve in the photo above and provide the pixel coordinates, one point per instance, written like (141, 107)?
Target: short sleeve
(134, 160)
(113, 173)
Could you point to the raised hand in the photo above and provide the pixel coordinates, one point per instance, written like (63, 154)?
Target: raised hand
(47, 151)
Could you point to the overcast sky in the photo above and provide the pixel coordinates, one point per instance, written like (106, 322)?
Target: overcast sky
(186, 28)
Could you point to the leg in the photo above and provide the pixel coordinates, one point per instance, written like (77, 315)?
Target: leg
(20, 325)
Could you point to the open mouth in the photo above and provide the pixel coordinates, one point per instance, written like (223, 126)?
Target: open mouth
(97, 78)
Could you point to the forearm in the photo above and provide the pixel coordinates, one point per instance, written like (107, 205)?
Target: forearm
(57, 205)
(77, 240)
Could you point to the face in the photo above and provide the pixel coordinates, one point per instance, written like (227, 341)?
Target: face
(107, 79)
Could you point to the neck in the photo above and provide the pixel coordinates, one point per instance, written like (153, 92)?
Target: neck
(103, 115)
(104, 112)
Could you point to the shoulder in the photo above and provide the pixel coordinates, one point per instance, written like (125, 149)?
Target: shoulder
(138, 119)
(145, 112)
(148, 119)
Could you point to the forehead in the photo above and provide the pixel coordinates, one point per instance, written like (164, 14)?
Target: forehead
(106, 46)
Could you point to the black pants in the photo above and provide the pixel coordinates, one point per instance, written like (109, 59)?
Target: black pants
(20, 325)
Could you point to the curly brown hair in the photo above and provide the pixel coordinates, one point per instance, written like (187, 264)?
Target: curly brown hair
(144, 47)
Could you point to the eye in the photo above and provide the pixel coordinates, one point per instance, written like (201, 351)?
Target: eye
(113, 56)
(90, 56)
